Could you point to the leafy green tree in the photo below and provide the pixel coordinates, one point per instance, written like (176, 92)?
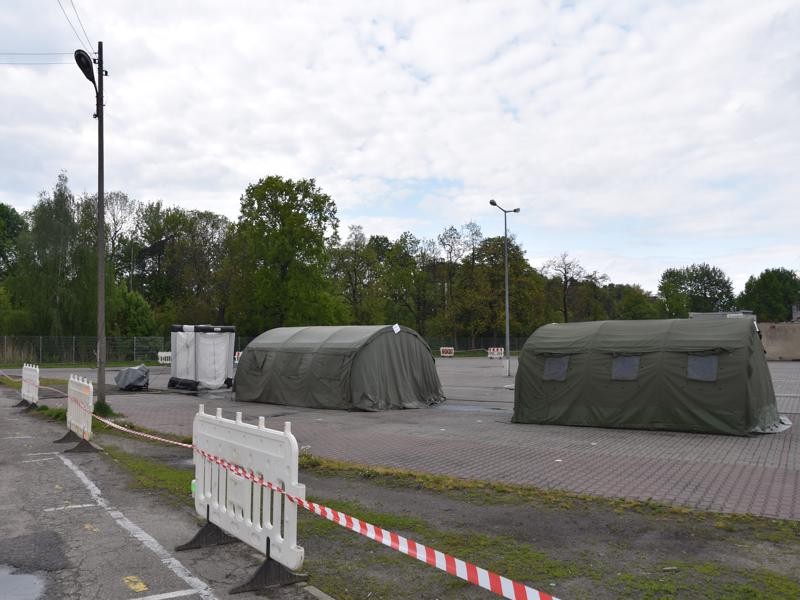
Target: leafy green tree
(355, 266)
(771, 294)
(630, 302)
(570, 274)
(284, 236)
(697, 288)
(45, 266)
(11, 225)
(133, 315)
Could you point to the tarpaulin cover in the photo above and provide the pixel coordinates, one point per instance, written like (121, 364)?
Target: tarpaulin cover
(676, 374)
(133, 378)
(350, 367)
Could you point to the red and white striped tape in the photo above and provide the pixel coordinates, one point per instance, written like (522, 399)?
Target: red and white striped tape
(502, 586)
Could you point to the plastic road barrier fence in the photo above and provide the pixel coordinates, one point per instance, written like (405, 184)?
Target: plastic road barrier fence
(496, 352)
(30, 384)
(237, 502)
(447, 351)
(165, 358)
(236, 357)
(80, 404)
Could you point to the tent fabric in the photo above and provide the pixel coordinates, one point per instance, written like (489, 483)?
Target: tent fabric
(349, 367)
(676, 374)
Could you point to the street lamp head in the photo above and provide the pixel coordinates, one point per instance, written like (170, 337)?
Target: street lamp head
(516, 210)
(492, 202)
(86, 65)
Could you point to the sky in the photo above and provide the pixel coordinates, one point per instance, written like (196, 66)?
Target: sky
(634, 136)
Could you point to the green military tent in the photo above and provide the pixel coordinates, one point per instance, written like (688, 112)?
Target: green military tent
(677, 374)
(370, 368)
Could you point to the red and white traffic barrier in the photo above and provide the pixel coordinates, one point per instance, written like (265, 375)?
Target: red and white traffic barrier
(502, 586)
(495, 352)
(447, 351)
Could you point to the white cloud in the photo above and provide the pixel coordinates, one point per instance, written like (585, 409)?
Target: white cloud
(633, 135)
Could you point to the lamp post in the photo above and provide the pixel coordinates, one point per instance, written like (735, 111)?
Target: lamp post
(505, 260)
(86, 65)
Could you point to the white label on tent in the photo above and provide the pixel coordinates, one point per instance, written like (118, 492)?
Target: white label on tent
(396, 328)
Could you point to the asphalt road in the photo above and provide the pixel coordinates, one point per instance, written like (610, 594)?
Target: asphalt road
(71, 528)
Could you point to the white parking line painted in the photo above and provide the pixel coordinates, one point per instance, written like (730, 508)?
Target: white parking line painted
(18, 437)
(38, 459)
(166, 596)
(39, 453)
(172, 563)
(70, 506)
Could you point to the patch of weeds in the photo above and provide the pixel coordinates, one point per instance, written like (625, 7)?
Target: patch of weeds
(56, 413)
(8, 382)
(705, 580)
(153, 475)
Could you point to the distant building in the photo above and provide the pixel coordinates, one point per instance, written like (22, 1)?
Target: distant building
(795, 313)
(735, 314)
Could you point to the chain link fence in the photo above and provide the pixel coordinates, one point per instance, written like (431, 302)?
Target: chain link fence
(80, 349)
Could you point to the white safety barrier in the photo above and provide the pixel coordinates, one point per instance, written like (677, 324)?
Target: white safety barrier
(80, 405)
(496, 352)
(30, 383)
(240, 505)
(236, 357)
(165, 358)
(447, 351)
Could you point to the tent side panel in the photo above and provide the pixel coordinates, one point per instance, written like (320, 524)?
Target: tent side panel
(394, 371)
(762, 404)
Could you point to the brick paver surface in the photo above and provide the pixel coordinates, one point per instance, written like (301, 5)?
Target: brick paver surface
(471, 436)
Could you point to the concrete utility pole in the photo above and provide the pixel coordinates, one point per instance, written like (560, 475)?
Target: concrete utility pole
(85, 63)
(505, 260)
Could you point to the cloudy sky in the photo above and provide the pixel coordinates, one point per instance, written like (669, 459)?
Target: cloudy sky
(633, 135)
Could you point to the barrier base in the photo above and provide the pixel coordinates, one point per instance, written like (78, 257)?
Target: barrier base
(83, 446)
(69, 438)
(30, 408)
(21, 403)
(209, 535)
(269, 574)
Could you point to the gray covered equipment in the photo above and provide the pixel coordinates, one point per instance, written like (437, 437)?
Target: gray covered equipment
(349, 367)
(678, 374)
(133, 378)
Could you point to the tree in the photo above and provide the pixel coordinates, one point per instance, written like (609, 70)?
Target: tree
(697, 288)
(569, 273)
(11, 225)
(771, 294)
(356, 267)
(285, 233)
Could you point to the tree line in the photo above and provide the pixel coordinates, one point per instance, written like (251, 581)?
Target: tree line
(283, 262)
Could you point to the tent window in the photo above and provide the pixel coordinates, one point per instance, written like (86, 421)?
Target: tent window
(702, 368)
(555, 368)
(625, 368)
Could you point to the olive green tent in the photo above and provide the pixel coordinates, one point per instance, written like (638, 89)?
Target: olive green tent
(354, 368)
(679, 374)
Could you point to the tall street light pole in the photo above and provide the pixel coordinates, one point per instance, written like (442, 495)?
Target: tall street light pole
(505, 260)
(86, 65)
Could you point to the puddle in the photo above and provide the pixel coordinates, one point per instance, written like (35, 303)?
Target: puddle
(20, 586)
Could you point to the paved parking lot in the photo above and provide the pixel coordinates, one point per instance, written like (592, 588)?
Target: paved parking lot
(471, 436)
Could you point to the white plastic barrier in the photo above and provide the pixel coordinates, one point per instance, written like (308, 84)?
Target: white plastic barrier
(236, 357)
(496, 352)
(447, 351)
(80, 405)
(30, 383)
(165, 358)
(240, 507)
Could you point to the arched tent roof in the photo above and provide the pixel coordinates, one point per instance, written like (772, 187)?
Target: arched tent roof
(676, 374)
(373, 367)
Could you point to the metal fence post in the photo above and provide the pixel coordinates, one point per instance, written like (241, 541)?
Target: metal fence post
(40, 349)
(134, 348)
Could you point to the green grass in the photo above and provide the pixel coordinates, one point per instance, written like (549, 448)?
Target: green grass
(153, 475)
(485, 492)
(354, 568)
(17, 385)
